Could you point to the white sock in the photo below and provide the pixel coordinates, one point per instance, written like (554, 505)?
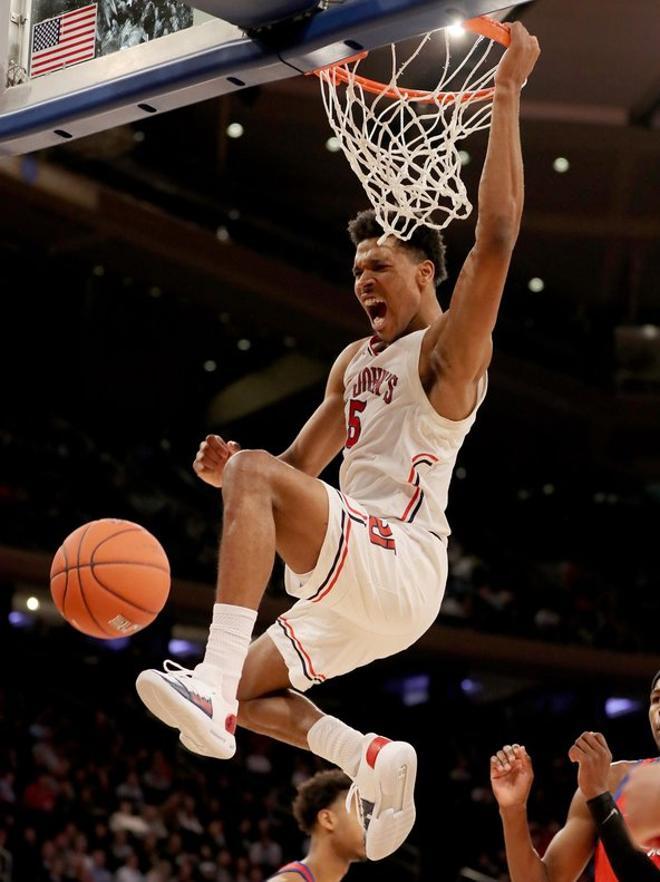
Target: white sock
(229, 640)
(336, 742)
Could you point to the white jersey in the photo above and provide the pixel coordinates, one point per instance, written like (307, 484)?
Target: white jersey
(400, 453)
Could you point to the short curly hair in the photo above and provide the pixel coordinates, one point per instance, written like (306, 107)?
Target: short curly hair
(316, 794)
(425, 242)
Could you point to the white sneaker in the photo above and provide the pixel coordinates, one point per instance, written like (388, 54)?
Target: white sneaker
(385, 786)
(206, 720)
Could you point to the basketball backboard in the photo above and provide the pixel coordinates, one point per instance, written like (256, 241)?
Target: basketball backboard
(141, 57)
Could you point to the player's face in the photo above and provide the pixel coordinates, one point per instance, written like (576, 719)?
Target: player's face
(389, 285)
(349, 832)
(654, 713)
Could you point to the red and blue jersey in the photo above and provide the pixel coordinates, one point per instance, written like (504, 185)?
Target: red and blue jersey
(604, 871)
(300, 869)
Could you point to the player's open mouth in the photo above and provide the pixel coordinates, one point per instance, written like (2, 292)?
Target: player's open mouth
(377, 309)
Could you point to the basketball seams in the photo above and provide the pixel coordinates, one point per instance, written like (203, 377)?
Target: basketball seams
(111, 563)
(66, 580)
(90, 613)
(81, 589)
(66, 586)
(151, 612)
(93, 565)
(74, 555)
(135, 528)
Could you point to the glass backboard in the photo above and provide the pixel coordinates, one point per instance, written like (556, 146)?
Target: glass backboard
(70, 67)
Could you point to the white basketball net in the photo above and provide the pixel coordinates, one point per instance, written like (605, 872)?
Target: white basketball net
(405, 149)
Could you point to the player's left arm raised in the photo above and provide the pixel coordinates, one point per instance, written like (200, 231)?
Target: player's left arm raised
(458, 344)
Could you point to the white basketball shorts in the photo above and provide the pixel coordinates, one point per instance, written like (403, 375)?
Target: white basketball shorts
(376, 588)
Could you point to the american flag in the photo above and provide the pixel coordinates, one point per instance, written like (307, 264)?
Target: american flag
(64, 40)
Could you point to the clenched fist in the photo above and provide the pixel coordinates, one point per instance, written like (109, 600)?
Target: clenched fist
(519, 59)
(593, 756)
(212, 457)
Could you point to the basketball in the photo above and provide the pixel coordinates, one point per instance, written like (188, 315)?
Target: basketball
(110, 578)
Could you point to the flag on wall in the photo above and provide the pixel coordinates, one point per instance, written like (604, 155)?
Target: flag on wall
(64, 40)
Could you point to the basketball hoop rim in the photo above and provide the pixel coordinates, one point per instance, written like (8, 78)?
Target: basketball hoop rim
(499, 32)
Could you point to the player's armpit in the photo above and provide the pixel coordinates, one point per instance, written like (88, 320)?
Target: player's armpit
(572, 847)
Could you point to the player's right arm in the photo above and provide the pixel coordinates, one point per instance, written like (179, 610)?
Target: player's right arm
(315, 446)
(324, 433)
(568, 853)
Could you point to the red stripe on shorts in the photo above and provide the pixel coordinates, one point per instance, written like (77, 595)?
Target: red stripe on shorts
(340, 565)
(354, 511)
(297, 642)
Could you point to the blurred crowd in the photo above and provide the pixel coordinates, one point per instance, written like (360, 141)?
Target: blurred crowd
(89, 796)
(563, 601)
(124, 23)
(604, 602)
(92, 789)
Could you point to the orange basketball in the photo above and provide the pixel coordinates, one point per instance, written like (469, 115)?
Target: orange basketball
(110, 578)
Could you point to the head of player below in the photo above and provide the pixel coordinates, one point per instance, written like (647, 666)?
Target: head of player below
(396, 281)
(337, 834)
(654, 709)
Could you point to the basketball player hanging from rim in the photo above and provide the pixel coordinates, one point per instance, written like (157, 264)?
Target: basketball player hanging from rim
(368, 561)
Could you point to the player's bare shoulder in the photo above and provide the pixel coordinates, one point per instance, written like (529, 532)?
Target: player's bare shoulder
(349, 352)
(345, 357)
(618, 771)
(285, 877)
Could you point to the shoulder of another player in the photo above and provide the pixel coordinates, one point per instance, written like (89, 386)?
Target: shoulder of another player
(618, 771)
(285, 877)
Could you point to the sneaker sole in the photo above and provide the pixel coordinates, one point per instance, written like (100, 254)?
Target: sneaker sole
(394, 813)
(193, 747)
(168, 706)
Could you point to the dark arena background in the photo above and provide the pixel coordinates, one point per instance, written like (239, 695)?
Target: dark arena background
(191, 274)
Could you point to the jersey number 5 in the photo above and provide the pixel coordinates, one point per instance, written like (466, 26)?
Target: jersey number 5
(355, 408)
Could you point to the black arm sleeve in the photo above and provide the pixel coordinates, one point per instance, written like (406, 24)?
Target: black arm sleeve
(629, 863)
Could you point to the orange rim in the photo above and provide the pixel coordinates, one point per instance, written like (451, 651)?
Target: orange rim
(486, 27)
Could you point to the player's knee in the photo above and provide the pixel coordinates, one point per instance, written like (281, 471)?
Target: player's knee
(251, 468)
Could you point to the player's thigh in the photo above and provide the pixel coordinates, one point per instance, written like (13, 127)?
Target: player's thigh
(264, 671)
(300, 504)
